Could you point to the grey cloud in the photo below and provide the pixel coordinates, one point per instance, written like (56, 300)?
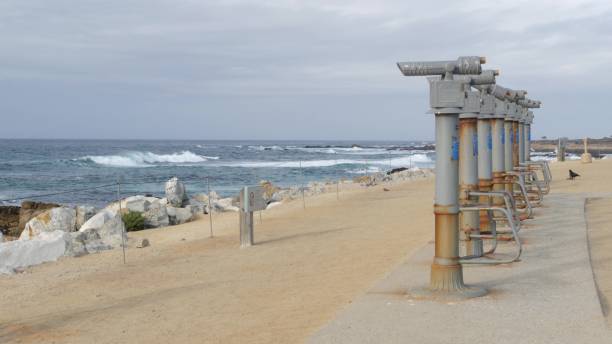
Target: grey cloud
(227, 66)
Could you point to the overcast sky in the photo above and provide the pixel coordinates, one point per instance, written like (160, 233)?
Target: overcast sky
(268, 69)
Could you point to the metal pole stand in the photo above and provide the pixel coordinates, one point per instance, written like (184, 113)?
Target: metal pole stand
(251, 199)
(246, 228)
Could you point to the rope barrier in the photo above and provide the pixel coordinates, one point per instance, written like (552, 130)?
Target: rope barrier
(153, 180)
(58, 193)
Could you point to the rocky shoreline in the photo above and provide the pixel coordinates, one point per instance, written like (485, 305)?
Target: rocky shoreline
(38, 232)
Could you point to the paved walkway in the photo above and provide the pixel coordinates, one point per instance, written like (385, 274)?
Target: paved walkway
(547, 297)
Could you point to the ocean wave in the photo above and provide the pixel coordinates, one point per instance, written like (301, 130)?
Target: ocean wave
(552, 157)
(351, 150)
(403, 161)
(266, 148)
(145, 159)
(370, 169)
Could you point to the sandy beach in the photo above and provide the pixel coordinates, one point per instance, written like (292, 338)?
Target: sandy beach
(307, 265)
(186, 287)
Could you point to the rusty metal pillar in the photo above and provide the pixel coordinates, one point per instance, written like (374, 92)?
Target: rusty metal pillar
(485, 154)
(527, 119)
(447, 99)
(468, 182)
(499, 138)
(528, 141)
(515, 143)
(519, 118)
(446, 272)
(508, 156)
(521, 140)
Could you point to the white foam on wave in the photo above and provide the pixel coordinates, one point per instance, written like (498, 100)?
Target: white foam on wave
(263, 148)
(144, 159)
(551, 158)
(351, 150)
(403, 161)
(370, 169)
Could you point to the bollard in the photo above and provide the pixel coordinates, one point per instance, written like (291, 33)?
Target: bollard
(246, 229)
(447, 99)
(561, 149)
(586, 157)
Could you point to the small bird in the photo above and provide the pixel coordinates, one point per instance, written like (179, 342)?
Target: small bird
(573, 175)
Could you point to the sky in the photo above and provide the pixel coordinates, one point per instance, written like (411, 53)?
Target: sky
(301, 70)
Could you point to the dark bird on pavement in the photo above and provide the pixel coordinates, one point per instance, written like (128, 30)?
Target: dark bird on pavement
(573, 175)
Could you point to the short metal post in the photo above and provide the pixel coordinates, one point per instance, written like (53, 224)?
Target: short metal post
(246, 222)
(246, 228)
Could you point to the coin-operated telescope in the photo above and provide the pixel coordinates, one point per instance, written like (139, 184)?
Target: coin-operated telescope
(528, 120)
(448, 98)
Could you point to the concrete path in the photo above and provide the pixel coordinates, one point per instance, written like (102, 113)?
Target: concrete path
(547, 297)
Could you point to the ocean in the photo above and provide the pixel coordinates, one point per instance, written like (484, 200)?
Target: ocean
(85, 171)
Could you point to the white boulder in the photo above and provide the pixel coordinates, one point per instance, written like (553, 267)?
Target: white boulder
(156, 214)
(224, 204)
(175, 192)
(178, 216)
(153, 209)
(62, 219)
(104, 230)
(197, 207)
(18, 254)
(273, 204)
